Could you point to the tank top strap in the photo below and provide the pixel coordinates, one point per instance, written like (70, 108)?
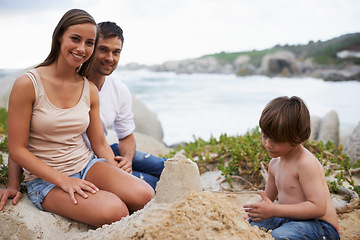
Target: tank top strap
(32, 76)
(86, 91)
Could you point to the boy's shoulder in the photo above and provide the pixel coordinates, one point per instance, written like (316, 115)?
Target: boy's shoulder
(308, 161)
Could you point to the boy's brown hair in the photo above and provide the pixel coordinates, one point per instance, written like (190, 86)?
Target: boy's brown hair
(286, 119)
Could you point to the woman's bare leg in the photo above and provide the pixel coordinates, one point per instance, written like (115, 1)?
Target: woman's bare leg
(134, 192)
(96, 210)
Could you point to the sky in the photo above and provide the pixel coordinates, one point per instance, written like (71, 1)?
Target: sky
(156, 31)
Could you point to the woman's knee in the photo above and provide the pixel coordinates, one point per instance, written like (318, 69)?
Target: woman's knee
(113, 209)
(142, 196)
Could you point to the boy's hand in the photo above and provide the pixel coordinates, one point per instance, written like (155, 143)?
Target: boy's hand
(260, 211)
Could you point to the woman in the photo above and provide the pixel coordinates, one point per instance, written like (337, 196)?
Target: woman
(49, 108)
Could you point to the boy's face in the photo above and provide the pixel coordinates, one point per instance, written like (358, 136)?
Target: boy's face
(276, 149)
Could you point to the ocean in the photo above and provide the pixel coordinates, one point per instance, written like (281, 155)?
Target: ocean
(205, 105)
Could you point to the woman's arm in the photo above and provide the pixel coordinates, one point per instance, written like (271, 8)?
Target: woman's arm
(19, 115)
(13, 188)
(95, 130)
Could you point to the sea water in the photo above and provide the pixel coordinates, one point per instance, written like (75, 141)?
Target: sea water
(205, 105)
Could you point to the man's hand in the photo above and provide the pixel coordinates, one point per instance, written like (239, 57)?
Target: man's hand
(124, 164)
(7, 193)
(260, 211)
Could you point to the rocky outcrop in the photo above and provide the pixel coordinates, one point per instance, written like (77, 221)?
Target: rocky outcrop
(146, 121)
(279, 63)
(352, 146)
(351, 72)
(329, 128)
(326, 129)
(198, 65)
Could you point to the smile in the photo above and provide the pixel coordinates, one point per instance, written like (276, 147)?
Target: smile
(77, 56)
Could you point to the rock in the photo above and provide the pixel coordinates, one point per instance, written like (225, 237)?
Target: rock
(196, 65)
(179, 178)
(282, 62)
(25, 221)
(246, 70)
(241, 60)
(315, 127)
(329, 128)
(146, 122)
(148, 144)
(352, 147)
(144, 143)
(351, 72)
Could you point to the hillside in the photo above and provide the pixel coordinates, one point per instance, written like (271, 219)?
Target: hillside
(322, 53)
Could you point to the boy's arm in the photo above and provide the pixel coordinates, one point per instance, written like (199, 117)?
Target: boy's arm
(264, 209)
(314, 207)
(315, 189)
(271, 189)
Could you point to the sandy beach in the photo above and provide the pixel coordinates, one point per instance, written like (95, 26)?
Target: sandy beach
(181, 210)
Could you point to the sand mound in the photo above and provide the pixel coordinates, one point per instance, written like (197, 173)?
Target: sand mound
(202, 215)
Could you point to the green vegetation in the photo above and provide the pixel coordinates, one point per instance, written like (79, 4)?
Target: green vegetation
(245, 157)
(255, 56)
(323, 53)
(3, 145)
(242, 156)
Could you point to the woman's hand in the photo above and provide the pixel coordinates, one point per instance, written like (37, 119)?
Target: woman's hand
(7, 193)
(262, 210)
(76, 185)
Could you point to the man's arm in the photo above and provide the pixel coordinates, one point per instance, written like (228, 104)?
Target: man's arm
(126, 148)
(13, 188)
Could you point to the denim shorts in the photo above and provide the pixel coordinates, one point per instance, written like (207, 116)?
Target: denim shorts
(38, 189)
(285, 228)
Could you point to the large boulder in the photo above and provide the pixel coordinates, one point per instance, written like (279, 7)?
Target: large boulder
(144, 143)
(326, 128)
(196, 65)
(315, 127)
(25, 221)
(352, 146)
(329, 128)
(146, 121)
(279, 63)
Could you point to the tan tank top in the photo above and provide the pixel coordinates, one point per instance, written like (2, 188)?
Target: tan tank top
(55, 134)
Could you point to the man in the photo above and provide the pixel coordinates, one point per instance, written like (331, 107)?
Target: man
(115, 111)
(116, 107)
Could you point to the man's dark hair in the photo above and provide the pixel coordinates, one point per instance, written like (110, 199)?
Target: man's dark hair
(109, 30)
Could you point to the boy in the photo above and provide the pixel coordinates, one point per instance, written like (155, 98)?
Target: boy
(295, 178)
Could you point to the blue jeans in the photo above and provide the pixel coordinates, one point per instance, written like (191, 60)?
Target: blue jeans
(145, 166)
(285, 228)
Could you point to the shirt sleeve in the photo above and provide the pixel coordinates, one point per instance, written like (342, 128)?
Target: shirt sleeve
(124, 124)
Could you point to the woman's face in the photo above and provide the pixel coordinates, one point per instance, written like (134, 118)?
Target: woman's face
(77, 44)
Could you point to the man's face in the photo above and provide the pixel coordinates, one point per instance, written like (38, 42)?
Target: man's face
(107, 55)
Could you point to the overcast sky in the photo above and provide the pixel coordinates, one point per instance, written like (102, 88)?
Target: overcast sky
(160, 30)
